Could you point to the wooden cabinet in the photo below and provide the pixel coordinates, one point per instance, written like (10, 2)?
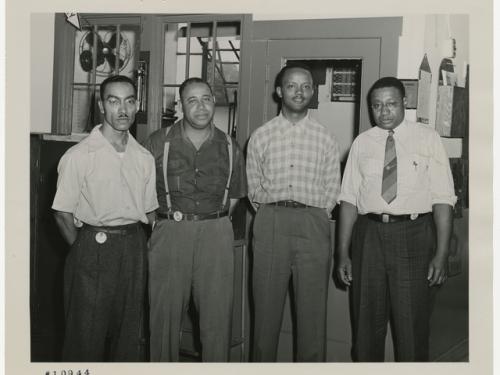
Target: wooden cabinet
(47, 251)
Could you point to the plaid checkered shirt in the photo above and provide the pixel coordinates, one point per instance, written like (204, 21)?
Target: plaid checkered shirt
(297, 162)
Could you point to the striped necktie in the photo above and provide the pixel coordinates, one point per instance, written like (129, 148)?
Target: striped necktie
(390, 175)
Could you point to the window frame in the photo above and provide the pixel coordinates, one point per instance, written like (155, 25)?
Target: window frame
(151, 40)
(64, 64)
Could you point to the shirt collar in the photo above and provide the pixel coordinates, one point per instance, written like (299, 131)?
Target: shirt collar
(97, 141)
(397, 130)
(179, 133)
(284, 123)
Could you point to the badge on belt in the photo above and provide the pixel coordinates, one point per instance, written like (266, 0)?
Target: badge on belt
(177, 216)
(101, 237)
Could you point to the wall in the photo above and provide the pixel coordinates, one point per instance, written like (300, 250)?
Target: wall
(42, 64)
(421, 34)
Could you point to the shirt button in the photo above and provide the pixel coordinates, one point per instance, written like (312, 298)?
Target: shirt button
(197, 203)
(291, 165)
(196, 170)
(289, 185)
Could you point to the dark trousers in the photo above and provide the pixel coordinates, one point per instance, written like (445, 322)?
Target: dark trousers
(390, 265)
(191, 257)
(291, 242)
(104, 296)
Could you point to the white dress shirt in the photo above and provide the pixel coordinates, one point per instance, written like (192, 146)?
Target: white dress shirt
(423, 171)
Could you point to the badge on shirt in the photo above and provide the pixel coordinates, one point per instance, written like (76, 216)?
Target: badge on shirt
(101, 237)
(177, 216)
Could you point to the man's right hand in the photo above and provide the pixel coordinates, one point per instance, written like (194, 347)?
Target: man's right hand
(66, 224)
(343, 271)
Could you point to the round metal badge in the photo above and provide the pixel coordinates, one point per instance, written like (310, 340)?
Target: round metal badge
(177, 216)
(101, 237)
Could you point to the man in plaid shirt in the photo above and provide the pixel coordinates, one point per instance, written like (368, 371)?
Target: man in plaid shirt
(293, 176)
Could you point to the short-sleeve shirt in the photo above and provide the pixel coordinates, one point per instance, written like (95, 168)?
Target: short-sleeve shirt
(102, 188)
(196, 178)
(423, 171)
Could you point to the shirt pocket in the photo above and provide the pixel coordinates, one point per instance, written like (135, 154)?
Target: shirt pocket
(413, 171)
(174, 183)
(213, 184)
(371, 168)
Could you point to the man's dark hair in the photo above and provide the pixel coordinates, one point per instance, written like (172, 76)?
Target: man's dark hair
(114, 79)
(289, 66)
(387, 82)
(191, 80)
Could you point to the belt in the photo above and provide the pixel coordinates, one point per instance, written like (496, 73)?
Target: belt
(292, 204)
(118, 229)
(386, 218)
(179, 216)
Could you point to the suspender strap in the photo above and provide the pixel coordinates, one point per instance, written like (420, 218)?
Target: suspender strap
(166, 148)
(228, 183)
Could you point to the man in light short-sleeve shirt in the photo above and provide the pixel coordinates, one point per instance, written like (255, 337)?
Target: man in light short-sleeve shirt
(105, 189)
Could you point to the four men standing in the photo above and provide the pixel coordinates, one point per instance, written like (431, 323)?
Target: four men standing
(396, 199)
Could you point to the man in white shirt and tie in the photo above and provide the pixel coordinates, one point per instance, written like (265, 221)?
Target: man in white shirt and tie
(396, 206)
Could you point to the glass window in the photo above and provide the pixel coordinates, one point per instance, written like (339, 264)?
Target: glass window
(100, 51)
(211, 51)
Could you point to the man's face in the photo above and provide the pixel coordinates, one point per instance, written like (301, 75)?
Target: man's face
(198, 105)
(296, 90)
(388, 107)
(119, 105)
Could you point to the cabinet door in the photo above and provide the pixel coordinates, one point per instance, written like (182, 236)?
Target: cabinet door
(48, 251)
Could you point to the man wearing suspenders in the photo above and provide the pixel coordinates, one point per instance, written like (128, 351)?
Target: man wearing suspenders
(200, 177)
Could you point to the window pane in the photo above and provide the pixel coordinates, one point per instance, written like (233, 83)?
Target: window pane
(215, 60)
(100, 53)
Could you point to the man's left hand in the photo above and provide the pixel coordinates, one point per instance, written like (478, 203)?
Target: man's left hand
(437, 271)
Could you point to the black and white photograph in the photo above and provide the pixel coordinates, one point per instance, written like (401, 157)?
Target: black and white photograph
(250, 187)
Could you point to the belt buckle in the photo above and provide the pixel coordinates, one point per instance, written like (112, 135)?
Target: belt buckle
(101, 237)
(413, 216)
(385, 218)
(178, 216)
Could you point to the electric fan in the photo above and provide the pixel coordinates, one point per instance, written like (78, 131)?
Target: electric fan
(107, 51)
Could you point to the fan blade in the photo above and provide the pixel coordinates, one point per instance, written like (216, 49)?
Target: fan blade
(112, 41)
(100, 58)
(112, 61)
(89, 38)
